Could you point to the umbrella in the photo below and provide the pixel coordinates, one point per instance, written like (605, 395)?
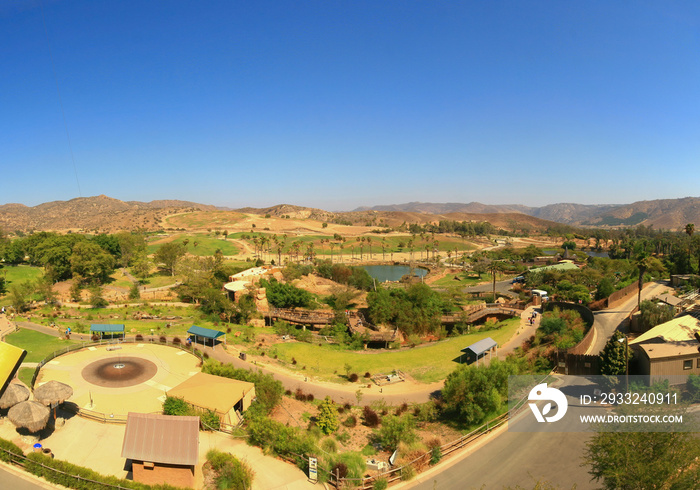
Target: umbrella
(29, 414)
(53, 392)
(14, 394)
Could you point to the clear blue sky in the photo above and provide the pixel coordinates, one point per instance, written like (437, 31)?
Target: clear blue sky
(337, 104)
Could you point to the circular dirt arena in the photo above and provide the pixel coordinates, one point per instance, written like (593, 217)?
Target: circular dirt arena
(118, 372)
(117, 379)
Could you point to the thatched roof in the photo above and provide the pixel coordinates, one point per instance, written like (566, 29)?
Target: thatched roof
(14, 394)
(29, 414)
(53, 392)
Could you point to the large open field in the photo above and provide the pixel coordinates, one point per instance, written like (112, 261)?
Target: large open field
(426, 363)
(197, 244)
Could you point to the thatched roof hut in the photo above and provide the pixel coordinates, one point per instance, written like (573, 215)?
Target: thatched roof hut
(53, 392)
(29, 414)
(14, 394)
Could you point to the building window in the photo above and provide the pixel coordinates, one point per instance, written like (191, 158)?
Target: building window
(688, 364)
(698, 363)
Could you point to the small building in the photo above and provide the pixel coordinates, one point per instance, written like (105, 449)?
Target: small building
(225, 396)
(202, 335)
(110, 329)
(673, 301)
(479, 349)
(162, 448)
(669, 350)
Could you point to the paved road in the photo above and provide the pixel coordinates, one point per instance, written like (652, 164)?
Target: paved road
(10, 481)
(607, 321)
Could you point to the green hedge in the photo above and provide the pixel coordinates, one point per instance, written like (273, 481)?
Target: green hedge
(15, 452)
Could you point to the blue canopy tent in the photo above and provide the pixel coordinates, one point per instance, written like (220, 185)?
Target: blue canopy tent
(479, 349)
(201, 334)
(107, 328)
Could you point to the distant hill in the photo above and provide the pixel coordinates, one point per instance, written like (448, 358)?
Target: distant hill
(105, 214)
(667, 214)
(94, 214)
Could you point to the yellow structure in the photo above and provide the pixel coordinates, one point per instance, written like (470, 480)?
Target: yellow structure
(222, 395)
(10, 359)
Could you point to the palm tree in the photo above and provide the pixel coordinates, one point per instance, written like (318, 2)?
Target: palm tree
(644, 264)
(689, 229)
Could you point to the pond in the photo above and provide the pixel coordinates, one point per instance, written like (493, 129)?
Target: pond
(384, 273)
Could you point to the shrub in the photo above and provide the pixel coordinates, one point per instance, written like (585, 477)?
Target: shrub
(329, 445)
(397, 429)
(139, 338)
(231, 472)
(176, 406)
(350, 422)
(407, 473)
(310, 397)
(340, 470)
(353, 377)
(370, 417)
(210, 420)
(177, 340)
(14, 451)
(327, 418)
(380, 484)
(299, 395)
(343, 437)
(367, 375)
(435, 455)
(163, 339)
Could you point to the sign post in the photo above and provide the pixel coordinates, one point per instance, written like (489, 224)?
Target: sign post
(313, 469)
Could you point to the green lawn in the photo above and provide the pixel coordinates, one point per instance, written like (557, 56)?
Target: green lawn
(427, 363)
(20, 273)
(25, 375)
(38, 345)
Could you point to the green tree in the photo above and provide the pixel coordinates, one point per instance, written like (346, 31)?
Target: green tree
(644, 460)
(91, 262)
(605, 288)
(397, 429)
(20, 295)
(96, 298)
(653, 314)
(176, 406)
(169, 254)
(327, 419)
(612, 360)
(473, 393)
(646, 263)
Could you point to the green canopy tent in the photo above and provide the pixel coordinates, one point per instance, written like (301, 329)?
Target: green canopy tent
(202, 334)
(107, 328)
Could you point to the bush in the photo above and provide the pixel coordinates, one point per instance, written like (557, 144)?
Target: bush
(367, 375)
(139, 338)
(268, 390)
(340, 470)
(407, 473)
(231, 472)
(13, 449)
(435, 455)
(397, 429)
(353, 378)
(177, 341)
(329, 445)
(176, 406)
(163, 339)
(370, 417)
(350, 422)
(380, 484)
(210, 420)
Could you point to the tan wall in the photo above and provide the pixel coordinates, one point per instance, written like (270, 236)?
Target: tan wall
(179, 476)
(674, 366)
(622, 294)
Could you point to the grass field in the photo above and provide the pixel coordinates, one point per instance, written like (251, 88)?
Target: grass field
(427, 363)
(37, 344)
(205, 219)
(206, 245)
(25, 375)
(20, 273)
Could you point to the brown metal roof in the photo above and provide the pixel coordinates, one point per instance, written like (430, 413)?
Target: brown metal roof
(161, 439)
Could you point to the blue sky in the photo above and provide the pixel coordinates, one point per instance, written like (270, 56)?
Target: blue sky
(338, 104)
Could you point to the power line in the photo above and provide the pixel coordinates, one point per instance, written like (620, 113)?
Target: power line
(60, 99)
